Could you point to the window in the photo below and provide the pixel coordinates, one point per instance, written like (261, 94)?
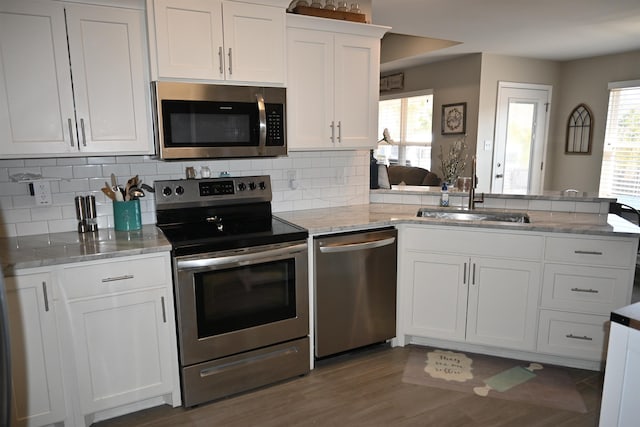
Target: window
(409, 122)
(620, 174)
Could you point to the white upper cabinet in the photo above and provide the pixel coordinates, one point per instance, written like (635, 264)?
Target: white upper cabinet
(104, 49)
(36, 101)
(216, 40)
(333, 78)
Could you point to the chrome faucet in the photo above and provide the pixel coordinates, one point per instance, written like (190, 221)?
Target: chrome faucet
(472, 188)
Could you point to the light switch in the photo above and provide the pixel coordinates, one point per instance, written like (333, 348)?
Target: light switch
(487, 145)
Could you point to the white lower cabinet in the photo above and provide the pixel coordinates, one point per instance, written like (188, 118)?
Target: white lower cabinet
(585, 279)
(37, 389)
(120, 320)
(476, 299)
(93, 340)
(543, 295)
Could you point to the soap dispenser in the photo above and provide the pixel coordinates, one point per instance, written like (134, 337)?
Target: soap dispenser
(444, 195)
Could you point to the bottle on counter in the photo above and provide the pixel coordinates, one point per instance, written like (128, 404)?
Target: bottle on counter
(444, 195)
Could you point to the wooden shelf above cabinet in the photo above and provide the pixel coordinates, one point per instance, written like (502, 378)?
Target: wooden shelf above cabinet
(332, 14)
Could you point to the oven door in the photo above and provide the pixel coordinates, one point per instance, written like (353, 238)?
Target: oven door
(235, 301)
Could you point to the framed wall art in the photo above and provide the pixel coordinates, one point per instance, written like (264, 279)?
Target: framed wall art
(454, 119)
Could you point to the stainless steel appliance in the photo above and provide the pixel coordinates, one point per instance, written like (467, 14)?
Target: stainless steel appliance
(355, 290)
(241, 285)
(197, 120)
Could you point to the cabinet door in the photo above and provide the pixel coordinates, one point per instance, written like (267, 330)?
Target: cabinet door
(189, 38)
(35, 355)
(309, 89)
(110, 79)
(436, 301)
(36, 101)
(357, 79)
(254, 42)
(122, 347)
(503, 303)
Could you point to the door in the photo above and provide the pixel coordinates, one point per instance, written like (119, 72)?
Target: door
(309, 89)
(521, 138)
(254, 40)
(356, 91)
(503, 303)
(110, 79)
(35, 353)
(189, 38)
(438, 297)
(36, 100)
(122, 347)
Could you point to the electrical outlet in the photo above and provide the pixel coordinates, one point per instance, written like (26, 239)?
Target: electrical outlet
(42, 192)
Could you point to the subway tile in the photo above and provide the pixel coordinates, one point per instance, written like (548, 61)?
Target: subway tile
(101, 160)
(8, 230)
(13, 163)
(71, 161)
(64, 172)
(13, 188)
(87, 171)
(31, 228)
(73, 185)
(39, 213)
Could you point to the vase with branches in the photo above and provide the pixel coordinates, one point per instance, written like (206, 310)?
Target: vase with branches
(454, 162)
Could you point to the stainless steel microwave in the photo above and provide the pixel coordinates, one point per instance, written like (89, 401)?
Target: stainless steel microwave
(208, 121)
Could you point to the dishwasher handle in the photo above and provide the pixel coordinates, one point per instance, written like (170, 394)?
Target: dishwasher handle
(349, 247)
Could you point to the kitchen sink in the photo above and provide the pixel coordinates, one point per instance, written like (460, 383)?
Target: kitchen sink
(475, 215)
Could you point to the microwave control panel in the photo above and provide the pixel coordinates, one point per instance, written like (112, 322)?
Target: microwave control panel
(275, 124)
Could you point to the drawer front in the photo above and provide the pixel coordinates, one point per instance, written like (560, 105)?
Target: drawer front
(474, 242)
(614, 253)
(115, 275)
(582, 336)
(596, 290)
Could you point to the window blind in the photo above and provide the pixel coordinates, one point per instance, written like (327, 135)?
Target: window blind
(620, 174)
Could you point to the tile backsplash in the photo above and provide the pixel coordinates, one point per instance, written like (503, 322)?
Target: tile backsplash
(303, 180)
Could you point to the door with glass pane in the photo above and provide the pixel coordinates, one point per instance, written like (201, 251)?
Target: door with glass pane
(521, 138)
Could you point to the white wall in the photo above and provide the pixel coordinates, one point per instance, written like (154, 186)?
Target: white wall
(585, 81)
(496, 68)
(325, 179)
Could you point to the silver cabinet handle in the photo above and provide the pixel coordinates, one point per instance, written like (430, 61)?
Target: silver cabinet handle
(164, 310)
(84, 137)
(339, 131)
(230, 67)
(221, 59)
(70, 131)
(589, 291)
(262, 116)
(583, 338)
(587, 252)
(473, 275)
(46, 296)
(464, 277)
(333, 131)
(117, 278)
(359, 246)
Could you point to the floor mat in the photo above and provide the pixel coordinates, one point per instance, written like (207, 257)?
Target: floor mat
(490, 376)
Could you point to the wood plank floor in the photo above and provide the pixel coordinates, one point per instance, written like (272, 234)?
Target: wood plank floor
(365, 389)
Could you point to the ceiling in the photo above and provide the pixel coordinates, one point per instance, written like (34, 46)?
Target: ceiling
(544, 29)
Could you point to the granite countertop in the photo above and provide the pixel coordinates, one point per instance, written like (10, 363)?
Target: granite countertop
(60, 248)
(346, 218)
(566, 195)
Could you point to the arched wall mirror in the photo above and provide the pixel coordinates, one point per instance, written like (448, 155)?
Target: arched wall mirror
(579, 131)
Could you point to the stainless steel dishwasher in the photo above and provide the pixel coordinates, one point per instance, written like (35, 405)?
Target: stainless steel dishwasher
(355, 289)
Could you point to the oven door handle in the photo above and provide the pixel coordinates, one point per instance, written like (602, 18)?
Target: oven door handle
(262, 115)
(356, 246)
(239, 259)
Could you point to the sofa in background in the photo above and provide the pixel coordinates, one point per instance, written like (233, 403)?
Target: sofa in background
(412, 175)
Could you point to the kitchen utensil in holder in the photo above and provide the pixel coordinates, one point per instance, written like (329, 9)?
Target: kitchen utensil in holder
(81, 214)
(127, 215)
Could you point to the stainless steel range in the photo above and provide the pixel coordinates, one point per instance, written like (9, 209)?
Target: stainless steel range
(241, 285)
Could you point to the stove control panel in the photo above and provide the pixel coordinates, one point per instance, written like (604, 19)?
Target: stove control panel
(171, 194)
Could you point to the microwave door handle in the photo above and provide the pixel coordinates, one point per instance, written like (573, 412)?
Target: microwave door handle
(262, 115)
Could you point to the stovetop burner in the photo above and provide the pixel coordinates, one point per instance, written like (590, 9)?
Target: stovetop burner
(207, 215)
